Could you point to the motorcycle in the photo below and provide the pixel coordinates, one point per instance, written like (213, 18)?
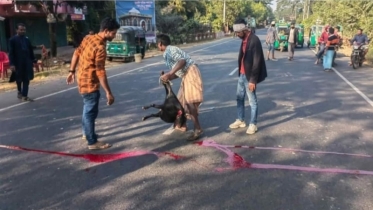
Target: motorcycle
(357, 57)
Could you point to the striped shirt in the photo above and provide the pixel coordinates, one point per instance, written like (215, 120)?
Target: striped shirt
(92, 56)
(172, 55)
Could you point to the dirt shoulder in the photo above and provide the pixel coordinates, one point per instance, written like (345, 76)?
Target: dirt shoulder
(60, 71)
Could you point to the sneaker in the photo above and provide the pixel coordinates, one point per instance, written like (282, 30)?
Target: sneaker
(237, 124)
(19, 95)
(252, 129)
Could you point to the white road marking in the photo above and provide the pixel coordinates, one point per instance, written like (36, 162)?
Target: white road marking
(370, 102)
(112, 76)
(354, 87)
(234, 71)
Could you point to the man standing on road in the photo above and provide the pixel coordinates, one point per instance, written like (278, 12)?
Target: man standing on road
(191, 88)
(252, 71)
(271, 37)
(91, 55)
(293, 40)
(22, 60)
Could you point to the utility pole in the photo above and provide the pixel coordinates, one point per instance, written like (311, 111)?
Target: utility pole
(224, 15)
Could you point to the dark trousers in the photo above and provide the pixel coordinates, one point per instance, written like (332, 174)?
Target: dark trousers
(90, 112)
(23, 83)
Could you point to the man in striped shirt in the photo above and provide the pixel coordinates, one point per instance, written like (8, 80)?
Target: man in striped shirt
(191, 88)
(91, 55)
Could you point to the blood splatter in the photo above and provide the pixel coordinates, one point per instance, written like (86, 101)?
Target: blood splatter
(98, 158)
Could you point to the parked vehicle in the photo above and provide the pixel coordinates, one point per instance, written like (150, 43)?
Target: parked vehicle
(300, 35)
(283, 33)
(314, 34)
(129, 41)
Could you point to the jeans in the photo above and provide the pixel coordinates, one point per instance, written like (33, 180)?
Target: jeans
(242, 91)
(271, 47)
(90, 112)
(23, 84)
(328, 59)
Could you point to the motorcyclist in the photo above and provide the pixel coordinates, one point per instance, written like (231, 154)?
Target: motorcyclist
(359, 39)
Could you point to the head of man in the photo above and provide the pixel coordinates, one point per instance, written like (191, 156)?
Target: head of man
(292, 26)
(336, 29)
(331, 30)
(163, 41)
(359, 31)
(240, 28)
(108, 28)
(21, 29)
(273, 23)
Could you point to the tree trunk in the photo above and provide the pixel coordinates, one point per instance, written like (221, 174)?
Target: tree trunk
(52, 39)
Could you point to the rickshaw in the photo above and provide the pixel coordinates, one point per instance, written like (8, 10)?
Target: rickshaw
(315, 33)
(129, 41)
(300, 29)
(283, 33)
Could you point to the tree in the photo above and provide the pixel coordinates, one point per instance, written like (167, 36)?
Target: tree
(50, 9)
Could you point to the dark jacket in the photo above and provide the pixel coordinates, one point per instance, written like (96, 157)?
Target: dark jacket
(254, 62)
(22, 58)
(296, 34)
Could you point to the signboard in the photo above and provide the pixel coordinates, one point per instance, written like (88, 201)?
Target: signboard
(137, 13)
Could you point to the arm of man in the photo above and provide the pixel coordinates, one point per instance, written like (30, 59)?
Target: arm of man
(31, 49)
(78, 51)
(257, 58)
(100, 58)
(12, 52)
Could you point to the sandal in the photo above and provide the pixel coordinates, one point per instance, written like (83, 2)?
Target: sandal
(27, 99)
(99, 145)
(195, 135)
(181, 129)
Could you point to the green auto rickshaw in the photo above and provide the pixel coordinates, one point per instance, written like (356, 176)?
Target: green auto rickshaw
(129, 41)
(283, 33)
(315, 33)
(300, 29)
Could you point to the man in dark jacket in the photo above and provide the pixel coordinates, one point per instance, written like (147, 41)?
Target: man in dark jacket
(251, 71)
(21, 57)
(292, 40)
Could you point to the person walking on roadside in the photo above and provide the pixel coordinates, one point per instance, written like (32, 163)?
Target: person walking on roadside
(91, 55)
(252, 71)
(191, 88)
(331, 44)
(22, 60)
(292, 40)
(271, 37)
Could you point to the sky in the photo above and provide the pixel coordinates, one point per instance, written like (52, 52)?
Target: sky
(274, 3)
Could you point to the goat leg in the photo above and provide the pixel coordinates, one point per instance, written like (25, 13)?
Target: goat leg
(152, 115)
(153, 105)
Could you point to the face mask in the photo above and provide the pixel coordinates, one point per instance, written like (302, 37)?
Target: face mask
(292, 27)
(273, 25)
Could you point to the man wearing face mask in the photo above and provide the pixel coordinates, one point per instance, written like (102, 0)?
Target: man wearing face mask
(22, 60)
(292, 39)
(91, 55)
(252, 71)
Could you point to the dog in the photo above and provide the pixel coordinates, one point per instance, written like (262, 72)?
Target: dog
(171, 111)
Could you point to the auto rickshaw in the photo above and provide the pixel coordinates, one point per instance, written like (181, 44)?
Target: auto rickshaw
(129, 41)
(283, 33)
(300, 29)
(315, 33)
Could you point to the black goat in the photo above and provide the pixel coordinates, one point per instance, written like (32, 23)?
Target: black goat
(171, 111)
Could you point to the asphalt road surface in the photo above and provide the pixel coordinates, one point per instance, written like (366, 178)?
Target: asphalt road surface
(300, 107)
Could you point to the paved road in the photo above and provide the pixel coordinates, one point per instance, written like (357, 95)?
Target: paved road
(300, 106)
